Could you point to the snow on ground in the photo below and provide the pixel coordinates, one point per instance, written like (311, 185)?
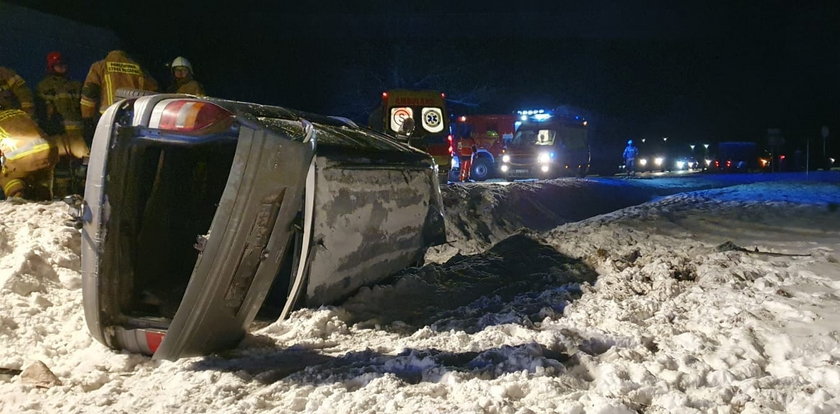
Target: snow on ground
(718, 300)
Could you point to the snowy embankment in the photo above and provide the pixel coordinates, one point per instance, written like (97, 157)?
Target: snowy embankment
(722, 300)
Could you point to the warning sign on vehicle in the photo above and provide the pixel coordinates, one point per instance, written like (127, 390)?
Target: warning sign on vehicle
(398, 115)
(432, 119)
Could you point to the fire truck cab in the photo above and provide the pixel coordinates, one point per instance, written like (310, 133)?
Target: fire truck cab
(547, 145)
(479, 143)
(428, 129)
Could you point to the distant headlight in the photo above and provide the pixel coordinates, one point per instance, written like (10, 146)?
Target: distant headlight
(504, 168)
(505, 158)
(708, 162)
(543, 158)
(658, 161)
(544, 168)
(680, 165)
(643, 161)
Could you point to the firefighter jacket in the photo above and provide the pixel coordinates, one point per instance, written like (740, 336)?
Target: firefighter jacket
(106, 76)
(14, 94)
(27, 157)
(188, 86)
(59, 98)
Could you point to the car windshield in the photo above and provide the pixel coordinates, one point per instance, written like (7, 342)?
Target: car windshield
(534, 137)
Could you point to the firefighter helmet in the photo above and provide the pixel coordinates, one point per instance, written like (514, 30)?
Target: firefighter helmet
(53, 59)
(181, 61)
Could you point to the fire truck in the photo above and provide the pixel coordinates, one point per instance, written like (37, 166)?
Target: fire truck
(428, 128)
(479, 143)
(547, 145)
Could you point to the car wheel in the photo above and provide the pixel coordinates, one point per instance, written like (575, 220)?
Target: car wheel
(480, 169)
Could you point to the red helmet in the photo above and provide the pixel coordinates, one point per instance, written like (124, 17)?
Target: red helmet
(54, 58)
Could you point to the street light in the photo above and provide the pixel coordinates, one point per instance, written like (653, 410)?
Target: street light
(706, 146)
(692, 147)
(665, 139)
(643, 140)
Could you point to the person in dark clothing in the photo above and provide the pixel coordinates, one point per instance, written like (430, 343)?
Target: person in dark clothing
(630, 154)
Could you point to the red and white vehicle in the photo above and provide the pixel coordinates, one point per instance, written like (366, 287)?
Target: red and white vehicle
(479, 141)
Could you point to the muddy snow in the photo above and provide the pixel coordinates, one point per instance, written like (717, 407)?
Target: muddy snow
(568, 296)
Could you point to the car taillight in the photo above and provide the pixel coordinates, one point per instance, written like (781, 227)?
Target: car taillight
(451, 149)
(190, 116)
(153, 339)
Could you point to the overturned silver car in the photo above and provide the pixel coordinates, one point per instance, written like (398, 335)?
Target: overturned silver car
(198, 209)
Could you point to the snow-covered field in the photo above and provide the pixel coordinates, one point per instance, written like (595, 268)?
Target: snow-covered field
(713, 300)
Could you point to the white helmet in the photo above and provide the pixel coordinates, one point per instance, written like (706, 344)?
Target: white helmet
(181, 61)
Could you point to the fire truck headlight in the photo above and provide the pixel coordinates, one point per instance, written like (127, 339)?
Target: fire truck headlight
(543, 158)
(658, 161)
(642, 161)
(544, 168)
(504, 168)
(505, 158)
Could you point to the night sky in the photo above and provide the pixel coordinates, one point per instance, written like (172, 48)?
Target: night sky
(692, 71)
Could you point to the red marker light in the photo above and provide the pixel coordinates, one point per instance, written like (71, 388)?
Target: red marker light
(384, 95)
(443, 95)
(781, 157)
(449, 138)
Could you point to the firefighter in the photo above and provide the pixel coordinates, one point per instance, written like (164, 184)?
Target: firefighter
(27, 158)
(182, 74)
(61, 119)
(103, 80)
(58, 99)
(14, 94)
(466, 147)
(630, 154)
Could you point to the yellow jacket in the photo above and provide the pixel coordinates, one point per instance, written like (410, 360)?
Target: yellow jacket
(188, 86)
(106, 76)
(60, 98)
(27, 156)
(14, 94)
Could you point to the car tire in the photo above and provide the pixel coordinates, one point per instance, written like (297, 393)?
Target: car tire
(482, 169)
